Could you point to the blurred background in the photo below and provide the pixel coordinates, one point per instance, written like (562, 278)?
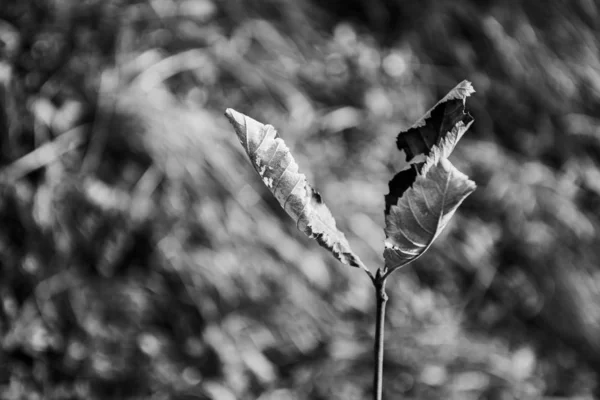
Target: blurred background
(141, 257)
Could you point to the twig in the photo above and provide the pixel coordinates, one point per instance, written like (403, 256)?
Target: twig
(382, 298)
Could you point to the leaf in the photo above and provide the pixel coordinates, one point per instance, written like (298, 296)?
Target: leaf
(423, 198)
(279, 171)
(437, 122)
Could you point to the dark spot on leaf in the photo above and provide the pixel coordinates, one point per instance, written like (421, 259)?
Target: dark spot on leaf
(317, 196)
(400, 184)
(442, 119)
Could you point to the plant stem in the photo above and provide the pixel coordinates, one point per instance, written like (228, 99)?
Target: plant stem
(382, 298)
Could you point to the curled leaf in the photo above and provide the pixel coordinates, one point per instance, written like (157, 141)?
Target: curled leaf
(435, 125)
(423, 198)
(279, 171)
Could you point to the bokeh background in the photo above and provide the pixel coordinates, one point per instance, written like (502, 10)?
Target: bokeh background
(141, 257)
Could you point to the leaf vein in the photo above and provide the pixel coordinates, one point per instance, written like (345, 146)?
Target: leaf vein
(399, 229)
(425, 199)
(263, 140)
(416, 218)
(443, 206)
(247, 138)
(277, 143)
(280, 179)
(290, 195)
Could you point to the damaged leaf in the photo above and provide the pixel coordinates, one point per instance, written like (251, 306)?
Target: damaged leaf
(279, 171)
(423, 198)
(448, 114)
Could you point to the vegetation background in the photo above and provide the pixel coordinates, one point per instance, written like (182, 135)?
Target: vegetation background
(141, 256)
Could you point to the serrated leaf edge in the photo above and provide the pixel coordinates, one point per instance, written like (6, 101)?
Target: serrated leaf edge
(242, 130)
(459, 92)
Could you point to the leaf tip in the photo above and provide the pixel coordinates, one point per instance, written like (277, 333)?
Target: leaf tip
(471, 186)
(460, 91)
(234, 117)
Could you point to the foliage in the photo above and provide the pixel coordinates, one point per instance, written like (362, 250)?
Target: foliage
(135, 264)
(276, 166)
(423, 198)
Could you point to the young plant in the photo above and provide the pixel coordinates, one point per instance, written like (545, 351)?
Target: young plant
(421, 201)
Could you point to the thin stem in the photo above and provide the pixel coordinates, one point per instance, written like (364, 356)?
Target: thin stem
(371, 276)
(379, 334)
(369, 273)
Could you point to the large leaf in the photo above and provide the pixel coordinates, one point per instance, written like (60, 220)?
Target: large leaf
(279, 171)
(423, 198)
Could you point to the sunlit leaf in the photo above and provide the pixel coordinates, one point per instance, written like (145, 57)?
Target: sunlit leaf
(279, 171)
(423, 198)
